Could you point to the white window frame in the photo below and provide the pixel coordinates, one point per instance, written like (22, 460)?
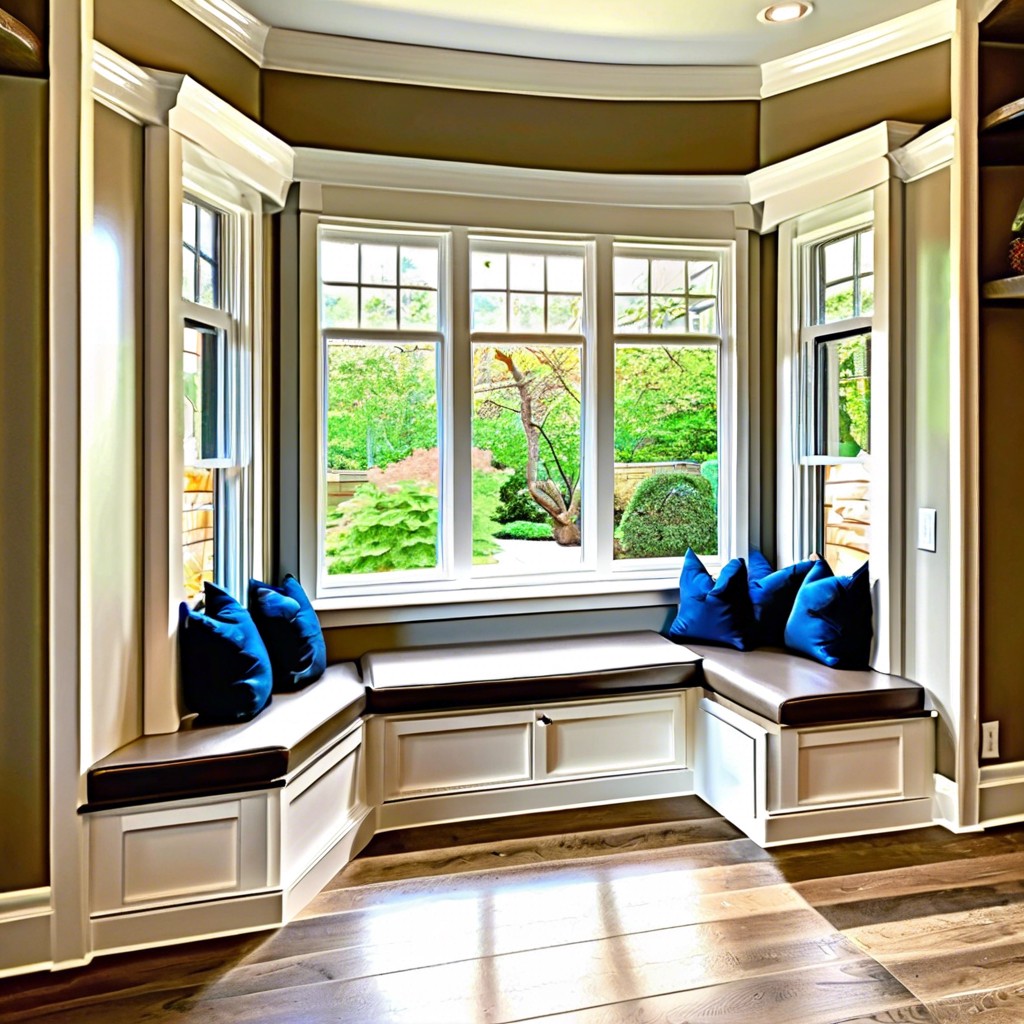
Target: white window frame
(599, 574)
(799, 493)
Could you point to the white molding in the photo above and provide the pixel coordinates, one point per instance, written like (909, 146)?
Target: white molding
(255, 155)
(926, 154)
(368, 170)
(909, 32)
(986, 8)
(402, 63)
(242, 30)
(123, 86)
(827, 174)
(25, 923)
(1001, 793)
(1007, 773)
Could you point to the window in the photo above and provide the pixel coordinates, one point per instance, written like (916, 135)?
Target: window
(213, 367)
(462, 450)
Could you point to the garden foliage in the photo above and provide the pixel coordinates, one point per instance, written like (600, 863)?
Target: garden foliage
(668, 513)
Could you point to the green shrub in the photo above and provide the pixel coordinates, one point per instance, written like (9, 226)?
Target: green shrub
(486, 486)
(517, 505)
(668, 513)
(521, 530)
(383, 531)
(709, 470)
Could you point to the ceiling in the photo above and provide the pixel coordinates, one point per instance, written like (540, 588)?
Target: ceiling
(681, 32)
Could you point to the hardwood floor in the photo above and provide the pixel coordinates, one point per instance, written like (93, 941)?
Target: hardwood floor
(650, 912)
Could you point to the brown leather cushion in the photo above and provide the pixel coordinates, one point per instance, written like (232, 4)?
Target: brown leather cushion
(792, 690)
(205, 760)
(520, 672)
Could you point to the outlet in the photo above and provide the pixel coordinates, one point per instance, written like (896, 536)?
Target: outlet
(927, 519)
(989, 739)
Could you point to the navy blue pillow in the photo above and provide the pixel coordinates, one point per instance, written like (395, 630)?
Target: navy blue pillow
(225, 669)
(771, 597)
(831, 618)
(291, 630)
(714, 612)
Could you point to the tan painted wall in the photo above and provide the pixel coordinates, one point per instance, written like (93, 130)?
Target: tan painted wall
(927, 343)
(521, 131)
(111, 440)
(160, 34)
(24, 858)
(914, 87)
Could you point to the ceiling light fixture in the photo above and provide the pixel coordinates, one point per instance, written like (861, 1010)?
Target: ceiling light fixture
(780, 14)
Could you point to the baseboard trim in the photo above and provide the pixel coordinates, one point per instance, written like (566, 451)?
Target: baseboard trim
(25, 922)
(842, 822)
(1001, 793)
(436, 810)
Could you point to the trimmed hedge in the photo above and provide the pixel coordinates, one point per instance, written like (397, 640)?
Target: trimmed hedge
(525, 531)
(668, 513)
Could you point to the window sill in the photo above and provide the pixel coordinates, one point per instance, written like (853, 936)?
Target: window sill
(525, 599)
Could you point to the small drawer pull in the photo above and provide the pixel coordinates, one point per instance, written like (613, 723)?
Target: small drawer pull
(543, 720)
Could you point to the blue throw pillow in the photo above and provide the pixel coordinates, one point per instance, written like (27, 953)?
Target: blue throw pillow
(714, 612)
(831, 618)
(291, 630)
(225, 669)
(772, 594)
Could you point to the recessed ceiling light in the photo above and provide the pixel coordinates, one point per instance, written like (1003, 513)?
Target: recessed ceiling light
(779, 14)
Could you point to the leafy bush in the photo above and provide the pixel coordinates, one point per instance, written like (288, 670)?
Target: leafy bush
(517, 505)
(668, 513)
(486, 500)
(521, 530)
(382, 531)
(709, 470)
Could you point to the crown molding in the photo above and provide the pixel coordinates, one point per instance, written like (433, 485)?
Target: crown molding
(144, 96)
(365, 170)
(232, 23)
(914, 31)
(824, 175)
(405, 64)
(986, 8)
(927, 153)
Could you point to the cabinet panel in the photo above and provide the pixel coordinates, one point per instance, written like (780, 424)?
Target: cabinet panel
(730, 763)
(610, 738)
(430, 755)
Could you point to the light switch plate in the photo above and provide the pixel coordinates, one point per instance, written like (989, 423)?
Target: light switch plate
(926, 527)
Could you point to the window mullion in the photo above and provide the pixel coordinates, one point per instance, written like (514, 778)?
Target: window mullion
(599, 419)
(457, 414)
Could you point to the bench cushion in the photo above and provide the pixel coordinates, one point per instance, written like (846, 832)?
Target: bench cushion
(791, 690)
(524, 672)
(206, 760)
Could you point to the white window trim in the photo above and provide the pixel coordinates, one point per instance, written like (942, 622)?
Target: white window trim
(482, 595)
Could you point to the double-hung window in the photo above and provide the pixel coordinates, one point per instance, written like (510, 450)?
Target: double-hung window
(491, 417)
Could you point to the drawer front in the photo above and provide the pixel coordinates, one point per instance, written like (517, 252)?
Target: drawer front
(451, 753)
(610, 738)
(153, 857)
(320, 803)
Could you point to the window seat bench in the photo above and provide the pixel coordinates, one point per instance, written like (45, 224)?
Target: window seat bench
(788, 749)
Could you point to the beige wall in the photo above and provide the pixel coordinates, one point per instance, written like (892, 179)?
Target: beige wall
(111, 441)
(927, 347)
(160, 34)
(521, 131)
(24, 859)
(915, 87)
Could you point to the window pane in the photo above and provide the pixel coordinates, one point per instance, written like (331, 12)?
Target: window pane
(867, 295)
(839, 259)
(339, 306)
(843, 395)
(378, 308)
(703, 277)
(203, 381)
(846, 516)
(208, 233)
(564, 313)
(867, 252)
(383, 467)
(419, 266)
(565, 274)
(188, 275)
(838, 302)
(704, 316)
(526, 479)
(527, 313)
(380, 263)
(666, 451)
(188, 223)
(630, 274)
(631, 313)
(487, 270)
(207, 283)
(489, 311)
(339, 261)
(198, 518)
(668, 313)
(419, 309)
(526, 272)
(668, 275)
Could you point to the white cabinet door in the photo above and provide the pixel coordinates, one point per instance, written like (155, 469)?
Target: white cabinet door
(609, 738)
(447, 753)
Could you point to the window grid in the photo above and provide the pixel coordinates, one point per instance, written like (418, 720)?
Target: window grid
(200, 253)
(697, 298)
(860, 274)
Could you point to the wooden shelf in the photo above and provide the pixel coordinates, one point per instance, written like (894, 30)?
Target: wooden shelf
(20, 49)
(1006, 289)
